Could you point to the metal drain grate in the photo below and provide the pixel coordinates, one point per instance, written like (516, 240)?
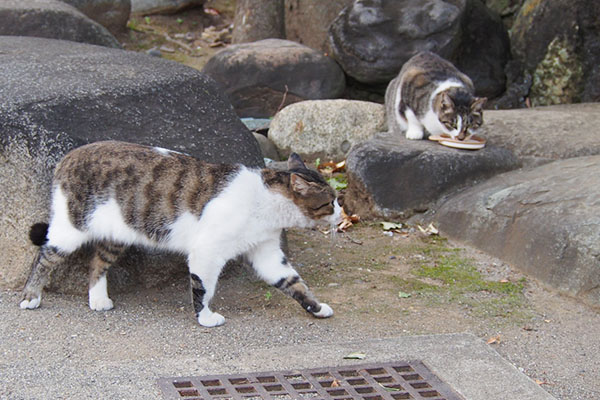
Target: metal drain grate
(397, 380)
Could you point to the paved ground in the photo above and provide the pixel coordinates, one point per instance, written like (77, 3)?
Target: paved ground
(65, 351)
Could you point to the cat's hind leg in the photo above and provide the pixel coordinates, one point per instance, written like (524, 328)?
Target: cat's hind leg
(105, 255)
(414, 130)
(204, 274)
(273, 267)
(44, 264)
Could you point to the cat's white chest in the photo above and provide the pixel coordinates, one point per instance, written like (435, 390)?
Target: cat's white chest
(243, 215)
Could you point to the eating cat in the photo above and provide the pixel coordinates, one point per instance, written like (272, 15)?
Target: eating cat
(114, 194)
(431, 94)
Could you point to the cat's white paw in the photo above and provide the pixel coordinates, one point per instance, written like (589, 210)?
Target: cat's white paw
(210, 319)
(414, 134)
(324, 312)
(31, 304)
(101, 303)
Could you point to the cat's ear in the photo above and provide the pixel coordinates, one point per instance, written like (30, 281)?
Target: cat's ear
(478, 103)
(299, 185)
(446, 104)
(295, 162)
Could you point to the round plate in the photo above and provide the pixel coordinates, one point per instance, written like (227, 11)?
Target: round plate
(471, 143)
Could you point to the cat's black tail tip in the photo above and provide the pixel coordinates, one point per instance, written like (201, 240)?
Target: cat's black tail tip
(38, 234)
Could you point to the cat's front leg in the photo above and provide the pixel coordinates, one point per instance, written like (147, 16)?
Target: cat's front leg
(203, 282)
(273, 267)
(414, 130)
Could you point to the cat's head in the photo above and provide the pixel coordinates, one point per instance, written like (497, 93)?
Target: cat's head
(311, 192)
(460, 113)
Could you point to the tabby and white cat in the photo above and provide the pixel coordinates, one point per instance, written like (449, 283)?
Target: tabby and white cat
(432, 94)
(115, 194)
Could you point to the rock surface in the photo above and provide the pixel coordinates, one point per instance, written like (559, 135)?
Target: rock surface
(544, 221)
(257, 20)
(111, 14)
(51, 19)
(147, 7)
(372, 39)
(484, 49)
(307, 21)
(57, 95)
(390, 176)
(541, 134)
(260, 78)
(325, 128)
(559, 46)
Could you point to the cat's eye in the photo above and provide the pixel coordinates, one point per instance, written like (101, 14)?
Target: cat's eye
(324, 205)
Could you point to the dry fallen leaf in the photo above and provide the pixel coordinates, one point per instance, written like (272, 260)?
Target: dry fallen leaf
(355, 356)
(347, 221)
(430, 230)
(335, 383)
(494, 340)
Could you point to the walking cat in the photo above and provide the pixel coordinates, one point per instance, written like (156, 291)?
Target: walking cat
(113, 194)
(432, 94)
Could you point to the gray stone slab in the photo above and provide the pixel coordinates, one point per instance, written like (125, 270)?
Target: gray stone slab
(391, 176)
(542, 134)
(545, 221)
(51, 19)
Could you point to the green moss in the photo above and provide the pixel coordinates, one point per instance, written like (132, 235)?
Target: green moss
(557, 78)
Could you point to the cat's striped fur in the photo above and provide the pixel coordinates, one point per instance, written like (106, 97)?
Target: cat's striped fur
(115, 194)
(431, 94)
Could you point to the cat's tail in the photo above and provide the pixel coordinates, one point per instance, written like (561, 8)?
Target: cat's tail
(38, 234)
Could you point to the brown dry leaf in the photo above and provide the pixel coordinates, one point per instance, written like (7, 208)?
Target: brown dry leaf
(347, 221)
(503, 280)
(335, 383)
(430, 230)
(494, 340)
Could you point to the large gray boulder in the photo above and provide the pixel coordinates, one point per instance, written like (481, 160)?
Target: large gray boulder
(261, 77)
(51, 19)
(372, 39)
(111, 14)
(325, 129)
(542, 134)
(57, 95)
(393, 177)
(544, 221)
(558, 44)
(307, 21)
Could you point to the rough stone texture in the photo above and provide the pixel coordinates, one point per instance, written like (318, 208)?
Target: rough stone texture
(260, 78)
(307, 21)
(371, 39)
(147, 7)
(111, 14)
(484, 49)
(325, 128)
(390, 176)
(51, 19)
(57, 95)
(544, 221)
(257, 20)
(507, 9)
(267, 147)
(542, 134)
(558, 43)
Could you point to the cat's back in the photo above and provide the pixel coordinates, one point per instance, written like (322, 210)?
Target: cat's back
(427, 69)
(147, 182)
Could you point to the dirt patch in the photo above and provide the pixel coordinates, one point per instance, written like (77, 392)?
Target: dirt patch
(190, 37)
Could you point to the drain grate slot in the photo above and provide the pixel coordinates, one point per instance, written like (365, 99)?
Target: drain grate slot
(396, 380)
